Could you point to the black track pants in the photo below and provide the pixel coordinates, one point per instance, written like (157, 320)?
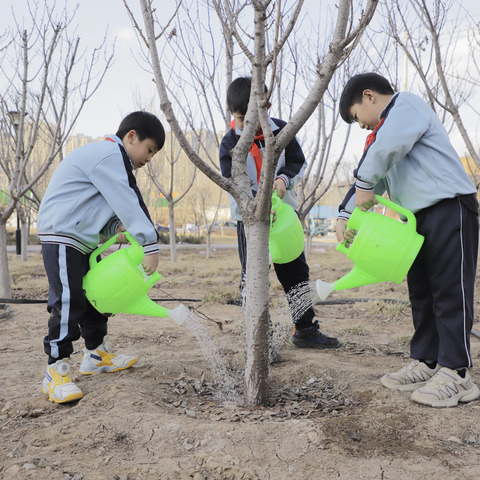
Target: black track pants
(441, 283)
(71, 314)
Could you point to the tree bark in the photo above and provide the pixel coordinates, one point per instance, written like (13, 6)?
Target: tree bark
(173, 241)
(257, 325)
(5, 288)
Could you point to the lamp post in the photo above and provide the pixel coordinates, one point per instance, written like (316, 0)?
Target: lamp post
(15, 119)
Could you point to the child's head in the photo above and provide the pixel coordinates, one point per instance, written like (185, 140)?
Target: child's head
(143, 136)
(238, 95)
(363, 98)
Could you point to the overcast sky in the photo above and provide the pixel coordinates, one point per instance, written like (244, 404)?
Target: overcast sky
(116, 96)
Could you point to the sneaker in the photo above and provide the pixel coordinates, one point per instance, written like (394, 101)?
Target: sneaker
(102, 360)
(312, 337)
(412, 376)
(446, 389)
(58, 385)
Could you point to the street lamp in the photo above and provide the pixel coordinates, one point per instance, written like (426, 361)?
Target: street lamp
(15, 119)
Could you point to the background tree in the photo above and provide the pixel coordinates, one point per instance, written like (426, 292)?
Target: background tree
(433, 37)
(45, 81)
(172, 180)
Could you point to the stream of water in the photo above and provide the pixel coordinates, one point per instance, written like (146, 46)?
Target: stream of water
(301, 298)
(225, 382)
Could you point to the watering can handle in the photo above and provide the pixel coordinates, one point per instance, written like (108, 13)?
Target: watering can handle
(276, 201)
(411, 220)
(107, 244)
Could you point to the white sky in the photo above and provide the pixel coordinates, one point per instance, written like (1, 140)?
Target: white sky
(116, 96)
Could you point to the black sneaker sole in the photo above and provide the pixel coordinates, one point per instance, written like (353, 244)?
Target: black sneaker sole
(305, 344)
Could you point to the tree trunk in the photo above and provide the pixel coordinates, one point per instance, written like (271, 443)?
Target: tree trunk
(209, 242)
(256, 364)
(308, 243)
(24, 228)
(171, 224)
(5, 287)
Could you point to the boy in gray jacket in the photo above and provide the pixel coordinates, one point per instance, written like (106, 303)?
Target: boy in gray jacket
(409, 155)
(93, 192)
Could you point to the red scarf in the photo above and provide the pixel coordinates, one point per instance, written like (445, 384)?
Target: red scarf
(373, 135)
(254, 150)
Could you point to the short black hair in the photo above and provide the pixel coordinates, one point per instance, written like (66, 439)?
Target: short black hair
(238, 95)
(353, 91)
(146, 124)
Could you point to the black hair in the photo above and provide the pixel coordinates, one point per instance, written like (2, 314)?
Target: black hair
(238, 95)
(353, 91)
(146, 124)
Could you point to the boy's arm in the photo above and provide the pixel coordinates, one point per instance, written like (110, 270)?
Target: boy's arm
(225, 159)
(295, 164)
(345, 209)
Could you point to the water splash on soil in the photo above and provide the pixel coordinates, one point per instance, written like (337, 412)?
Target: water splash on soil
(225, 381)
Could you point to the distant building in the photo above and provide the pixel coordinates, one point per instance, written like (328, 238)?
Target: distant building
(76, 141)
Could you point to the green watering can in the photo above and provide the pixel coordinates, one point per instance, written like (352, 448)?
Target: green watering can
(119, 284)
(286, 240)
(383, 249)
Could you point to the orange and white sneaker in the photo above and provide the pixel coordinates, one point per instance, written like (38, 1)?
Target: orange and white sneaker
(58, 385)
(102, 360)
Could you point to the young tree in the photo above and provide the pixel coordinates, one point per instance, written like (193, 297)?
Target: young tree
(251, 37)
(170, 182)
(45, 81)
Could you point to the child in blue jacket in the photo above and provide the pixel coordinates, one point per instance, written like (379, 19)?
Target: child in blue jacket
(409, 156)
(93, 192)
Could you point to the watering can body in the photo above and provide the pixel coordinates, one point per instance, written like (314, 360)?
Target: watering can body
(286, 241)
(119, 284)
(383, 249)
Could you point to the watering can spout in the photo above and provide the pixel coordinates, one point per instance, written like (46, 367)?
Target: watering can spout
(178, 314)
(323, 289)
(356, 278)
(146, 306)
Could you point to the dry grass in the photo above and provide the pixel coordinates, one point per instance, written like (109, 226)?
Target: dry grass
(381, 311)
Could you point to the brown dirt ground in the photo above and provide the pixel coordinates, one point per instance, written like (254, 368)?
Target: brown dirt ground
(329, 417)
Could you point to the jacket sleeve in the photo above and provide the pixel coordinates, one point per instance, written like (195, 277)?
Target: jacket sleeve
(401, 130)
(295, 162)
(347, 206)
(225, 158)
(110, 178)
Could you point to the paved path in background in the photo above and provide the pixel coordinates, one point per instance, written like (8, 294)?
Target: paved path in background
(323, 241)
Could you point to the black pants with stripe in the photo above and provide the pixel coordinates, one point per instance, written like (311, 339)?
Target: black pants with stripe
(441, 282)
(71, 314)
(289, 274)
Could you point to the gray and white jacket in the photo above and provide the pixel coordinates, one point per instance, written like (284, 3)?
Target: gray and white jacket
(90, 193)
(409, 155)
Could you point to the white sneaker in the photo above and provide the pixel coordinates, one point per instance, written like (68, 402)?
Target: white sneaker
(410, 377)
(101, 360)
(446, 389)
(58, 385)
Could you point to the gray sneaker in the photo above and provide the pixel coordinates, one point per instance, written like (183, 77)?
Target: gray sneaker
(446, 389)
(410, 377)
